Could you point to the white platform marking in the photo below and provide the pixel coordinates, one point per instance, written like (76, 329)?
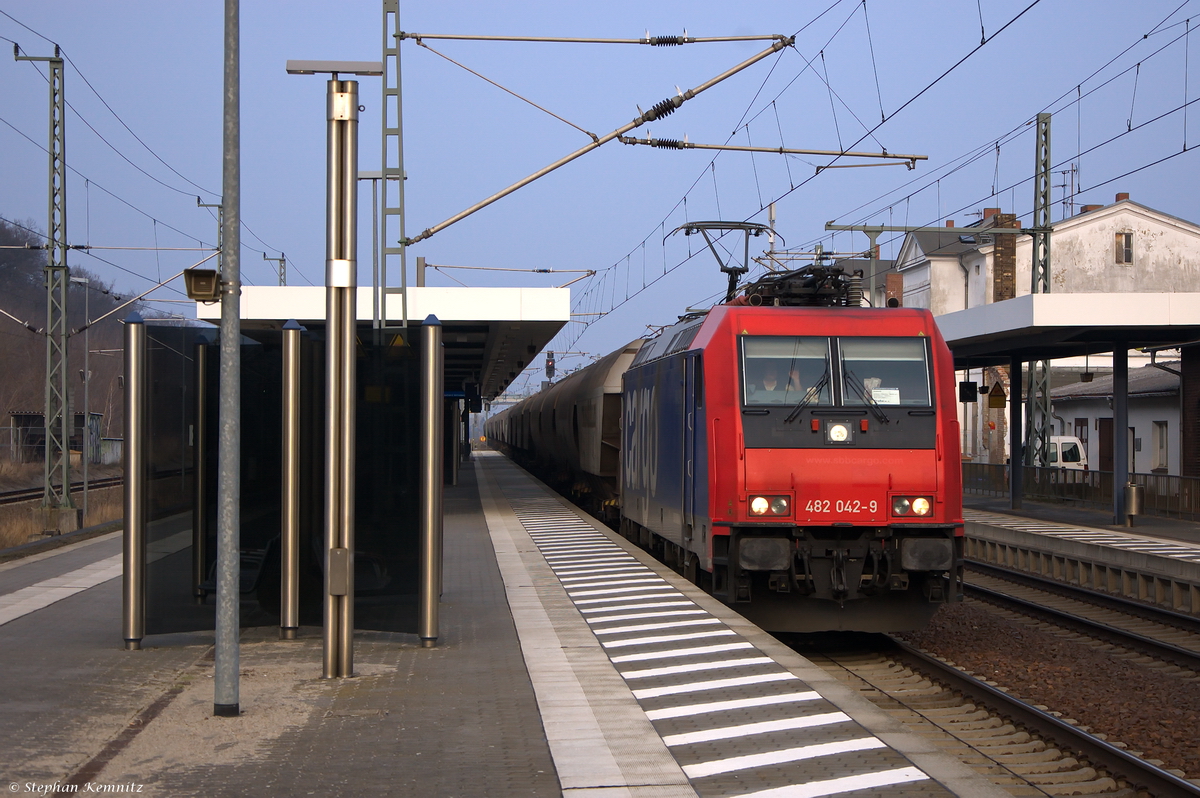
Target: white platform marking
(863, 781)
(748, 761)
(762, 727)
(709, 707)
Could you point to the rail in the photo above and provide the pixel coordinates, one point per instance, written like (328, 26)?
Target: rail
(1165, 495)
(32, 494)
(1100, 754)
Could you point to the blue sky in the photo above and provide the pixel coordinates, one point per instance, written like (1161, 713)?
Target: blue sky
(157, 66)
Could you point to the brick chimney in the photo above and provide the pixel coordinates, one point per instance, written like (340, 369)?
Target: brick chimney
(1090, 208)
(949, 222)
(1122, 196)
(1004, 259)
(988, 213)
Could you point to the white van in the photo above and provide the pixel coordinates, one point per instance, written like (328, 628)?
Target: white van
(1067, 451)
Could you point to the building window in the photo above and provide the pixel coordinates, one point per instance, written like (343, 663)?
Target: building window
(1081, 431)
(1125, 248)
(1160, 446)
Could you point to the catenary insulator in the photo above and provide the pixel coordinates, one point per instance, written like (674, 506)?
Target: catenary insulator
(664, 108)
(666, 41)
(854, 292)
(671, 144)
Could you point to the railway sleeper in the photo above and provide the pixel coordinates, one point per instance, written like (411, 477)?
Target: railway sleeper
(966, 713)
(957, 724)
(1009, 749)
(1059, 764)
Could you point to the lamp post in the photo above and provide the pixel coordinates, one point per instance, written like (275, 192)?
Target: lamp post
(86, 377)
(341, 315)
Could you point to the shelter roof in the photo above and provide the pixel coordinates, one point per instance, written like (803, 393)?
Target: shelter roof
(1048, 326)
(1146, 381)
(488, 333)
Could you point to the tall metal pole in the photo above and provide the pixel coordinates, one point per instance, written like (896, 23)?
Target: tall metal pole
(392, 168)
(58, 421)
(289, 550)
(1038, 418)
(133, 580)
(1120, 393)
(1016, 460)
(341, 266)
(431, 480)
(227, 655)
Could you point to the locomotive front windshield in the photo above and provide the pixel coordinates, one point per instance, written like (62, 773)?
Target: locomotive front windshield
(847, 371)
(786, 370)
(884, 371)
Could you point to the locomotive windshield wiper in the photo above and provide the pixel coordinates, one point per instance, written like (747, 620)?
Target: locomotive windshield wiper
(810, 396)
(854, 383)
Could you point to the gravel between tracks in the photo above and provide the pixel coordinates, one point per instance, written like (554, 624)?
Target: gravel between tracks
(1141, 706)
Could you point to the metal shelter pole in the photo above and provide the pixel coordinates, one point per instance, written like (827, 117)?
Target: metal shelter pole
(1120, 406)
(1016, 467)
(200, 471)
(431, 479)
(226, 667)
(341, 265)
(289, 533)
(133, 582)
(454, 427)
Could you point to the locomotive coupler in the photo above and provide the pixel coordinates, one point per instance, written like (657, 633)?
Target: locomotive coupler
(881, 571)
(837, 574)
(804, 578)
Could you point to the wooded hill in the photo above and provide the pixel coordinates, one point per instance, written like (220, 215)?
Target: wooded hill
(23, 351)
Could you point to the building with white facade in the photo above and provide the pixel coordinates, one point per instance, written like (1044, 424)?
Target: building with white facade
(1120, 248)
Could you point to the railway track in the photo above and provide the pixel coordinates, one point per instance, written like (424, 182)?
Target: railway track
(32, 494)
(1022, 748)
(1168, 636)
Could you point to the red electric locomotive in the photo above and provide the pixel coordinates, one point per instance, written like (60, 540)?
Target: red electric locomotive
(791, 452)
(798, 455)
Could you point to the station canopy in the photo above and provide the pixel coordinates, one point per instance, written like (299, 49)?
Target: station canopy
(489, 334)
(1051, 326)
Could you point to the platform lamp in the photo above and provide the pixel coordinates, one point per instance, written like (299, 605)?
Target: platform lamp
(341, 266)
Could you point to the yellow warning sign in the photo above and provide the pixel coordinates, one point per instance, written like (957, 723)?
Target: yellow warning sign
(996, 397)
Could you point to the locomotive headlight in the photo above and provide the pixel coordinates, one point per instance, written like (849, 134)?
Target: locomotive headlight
(770, 505)
(912, 505)
(838, 433)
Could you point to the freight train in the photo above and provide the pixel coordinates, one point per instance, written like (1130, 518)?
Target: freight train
(790, 451)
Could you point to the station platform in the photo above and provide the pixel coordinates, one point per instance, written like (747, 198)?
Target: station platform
(1155, 561)
(569, 663)
(1150, 526)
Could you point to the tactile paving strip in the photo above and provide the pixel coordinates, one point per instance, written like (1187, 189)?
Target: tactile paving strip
(736, 721)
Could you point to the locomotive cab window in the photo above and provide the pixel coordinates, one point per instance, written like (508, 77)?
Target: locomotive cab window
(784, 370)
(885, 371)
